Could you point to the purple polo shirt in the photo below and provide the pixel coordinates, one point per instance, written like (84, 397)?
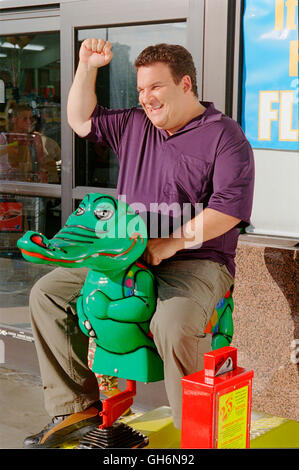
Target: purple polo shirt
(208, 161)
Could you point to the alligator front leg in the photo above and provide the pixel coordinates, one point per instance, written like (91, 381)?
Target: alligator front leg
(132, 309)
(140, 305)
(90, 307)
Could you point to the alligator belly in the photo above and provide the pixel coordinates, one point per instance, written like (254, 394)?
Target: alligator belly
(142, 365)
(119, 337)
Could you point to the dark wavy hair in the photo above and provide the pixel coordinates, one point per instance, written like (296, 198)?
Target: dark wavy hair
(178, 59)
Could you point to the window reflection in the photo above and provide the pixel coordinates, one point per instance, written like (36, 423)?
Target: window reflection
(116, 88)
(30, 108)
(18, 214)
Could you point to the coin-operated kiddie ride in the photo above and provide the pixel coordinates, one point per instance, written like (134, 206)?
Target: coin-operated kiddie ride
(116, 303)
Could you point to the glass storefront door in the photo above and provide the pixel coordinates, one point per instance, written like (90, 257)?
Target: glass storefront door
(30, 151)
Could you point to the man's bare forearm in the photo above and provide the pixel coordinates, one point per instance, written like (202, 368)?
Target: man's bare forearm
(82, 99)
(205, 226)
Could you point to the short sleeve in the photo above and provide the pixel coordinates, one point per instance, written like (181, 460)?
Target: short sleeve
(233, 177)
(107, 126)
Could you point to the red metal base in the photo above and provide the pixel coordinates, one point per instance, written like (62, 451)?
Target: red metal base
(114, 407)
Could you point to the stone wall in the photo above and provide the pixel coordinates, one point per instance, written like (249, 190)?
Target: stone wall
(266, 323)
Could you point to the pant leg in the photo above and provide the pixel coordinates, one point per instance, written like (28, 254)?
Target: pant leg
(69, 385)
(188, 293)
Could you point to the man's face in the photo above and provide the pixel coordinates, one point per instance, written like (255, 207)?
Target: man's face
(162, 100)
(22, 123)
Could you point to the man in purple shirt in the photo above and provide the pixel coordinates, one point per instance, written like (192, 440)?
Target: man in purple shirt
(174, 152)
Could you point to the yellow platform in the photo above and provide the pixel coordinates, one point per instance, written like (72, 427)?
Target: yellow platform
(273, 432)
(267, 432)
(158, 426)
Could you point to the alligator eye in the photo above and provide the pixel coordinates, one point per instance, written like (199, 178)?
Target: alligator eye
(80, 211)
(103, 214)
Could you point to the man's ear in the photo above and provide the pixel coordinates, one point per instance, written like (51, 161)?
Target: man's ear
(186, 83)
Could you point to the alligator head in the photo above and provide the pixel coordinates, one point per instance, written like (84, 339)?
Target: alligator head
(103, 234)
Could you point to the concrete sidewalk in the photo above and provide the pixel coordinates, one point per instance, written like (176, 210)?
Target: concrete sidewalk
(21, 407)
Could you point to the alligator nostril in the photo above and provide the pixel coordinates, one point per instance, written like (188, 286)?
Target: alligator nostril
(38, 240)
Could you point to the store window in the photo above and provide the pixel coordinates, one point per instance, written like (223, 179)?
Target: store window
(18, 214)
(116, 88)
(30, 143)
(30, 139)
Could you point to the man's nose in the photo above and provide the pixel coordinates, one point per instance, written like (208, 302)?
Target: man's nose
(146, 96)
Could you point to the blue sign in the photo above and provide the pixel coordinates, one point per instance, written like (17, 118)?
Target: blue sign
(270, 74)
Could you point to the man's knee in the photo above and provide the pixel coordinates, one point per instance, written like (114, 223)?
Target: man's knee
(46, 294)
(61, 286)
(36, 291)
(44, 283)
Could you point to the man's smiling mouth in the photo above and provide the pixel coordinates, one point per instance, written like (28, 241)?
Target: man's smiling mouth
(154, 108)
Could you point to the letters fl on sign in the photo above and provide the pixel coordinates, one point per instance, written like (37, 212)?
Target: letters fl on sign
(270, 78)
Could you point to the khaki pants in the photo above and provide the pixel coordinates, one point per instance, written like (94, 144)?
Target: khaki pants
(188, 292)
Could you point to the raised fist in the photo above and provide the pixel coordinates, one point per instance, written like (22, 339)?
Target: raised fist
(95, 52)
